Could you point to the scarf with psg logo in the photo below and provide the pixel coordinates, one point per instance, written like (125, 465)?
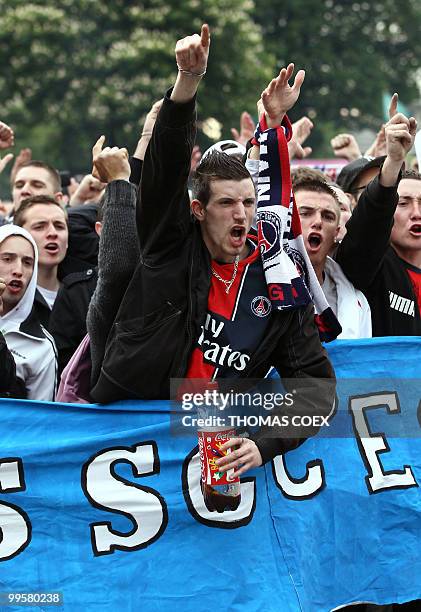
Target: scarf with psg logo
(290, 277)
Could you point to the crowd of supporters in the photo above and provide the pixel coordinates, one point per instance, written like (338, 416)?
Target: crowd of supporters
(155, 255)
(363, 237)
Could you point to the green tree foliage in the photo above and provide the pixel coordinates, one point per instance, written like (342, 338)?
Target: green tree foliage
(74, 69)
(352, 52)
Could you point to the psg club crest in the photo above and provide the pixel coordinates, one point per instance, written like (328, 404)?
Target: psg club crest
(269, 231)
(261, 306)
(299, 262)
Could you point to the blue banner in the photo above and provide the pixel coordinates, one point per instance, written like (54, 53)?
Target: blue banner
(101, 508)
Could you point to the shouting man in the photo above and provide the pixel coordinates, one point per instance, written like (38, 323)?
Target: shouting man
(197, 304)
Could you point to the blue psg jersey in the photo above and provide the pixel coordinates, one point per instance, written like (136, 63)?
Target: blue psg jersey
(235, 323)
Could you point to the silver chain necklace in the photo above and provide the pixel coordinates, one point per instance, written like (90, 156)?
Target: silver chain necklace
(228, 283)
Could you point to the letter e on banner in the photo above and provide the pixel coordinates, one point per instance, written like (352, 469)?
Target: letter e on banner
(370, 446)
(15, 526)
(109, 491)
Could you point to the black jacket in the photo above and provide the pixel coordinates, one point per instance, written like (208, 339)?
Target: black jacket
(372, 265)
(82, 252)
(166, 302)
(68, 317)
(42, 310)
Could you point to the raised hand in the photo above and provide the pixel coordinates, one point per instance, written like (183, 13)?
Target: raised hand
(111, 163)
(192, 52)
(247, 128)
(24, 156)
(4, 161)
(399, 131)
(378, 147)
(7, 140)
(7, 137)
(90, 189)
(279, 96)
(345, 145)
(301, 130)
(195, 158)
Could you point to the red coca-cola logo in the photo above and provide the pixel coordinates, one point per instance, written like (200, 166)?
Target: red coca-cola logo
(225, 435)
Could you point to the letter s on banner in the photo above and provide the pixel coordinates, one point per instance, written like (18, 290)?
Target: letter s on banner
(15, 526)
(193, 496)
(107, 490)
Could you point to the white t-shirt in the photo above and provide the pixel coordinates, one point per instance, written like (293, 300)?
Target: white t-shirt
(49, 296)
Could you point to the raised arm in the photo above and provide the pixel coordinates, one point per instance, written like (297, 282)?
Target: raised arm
(118, 249)
(400, 133)
(279, 96)
(368, 230)
(163, 215)
(277, 99)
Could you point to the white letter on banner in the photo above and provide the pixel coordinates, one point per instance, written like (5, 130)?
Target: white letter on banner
(15, 526)
(191, 477)
(109, 491)
(303, 488)
(369, 445)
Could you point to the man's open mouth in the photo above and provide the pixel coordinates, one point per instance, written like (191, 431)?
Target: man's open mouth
(314, 240)
(238, 232)
(52, 247)
(415, 229)
(15, 286)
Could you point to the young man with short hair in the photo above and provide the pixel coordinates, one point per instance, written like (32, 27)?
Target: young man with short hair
(319, 212)
(46, 221)
(35, 178)
(197, 302)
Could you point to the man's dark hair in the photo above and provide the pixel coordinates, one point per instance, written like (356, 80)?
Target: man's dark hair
(301, 182)
(27, 203)
(54, 174)
(305, 182)
(411, 174)
(305, 173)
(216, 167)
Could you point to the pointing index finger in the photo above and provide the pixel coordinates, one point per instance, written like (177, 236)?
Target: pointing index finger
(97, 148)
(205, 35)
(393, 106)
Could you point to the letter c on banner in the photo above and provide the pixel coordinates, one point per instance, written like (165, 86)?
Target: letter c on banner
(299, 488)
(15, 526)
(192, 492)
(107, 490)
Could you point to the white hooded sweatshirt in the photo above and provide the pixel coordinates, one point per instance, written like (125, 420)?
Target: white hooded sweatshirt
(32, 346)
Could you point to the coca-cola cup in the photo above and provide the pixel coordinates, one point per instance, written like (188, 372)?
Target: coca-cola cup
(221, 492)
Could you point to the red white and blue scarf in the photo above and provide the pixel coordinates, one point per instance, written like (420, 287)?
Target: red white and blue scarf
(290, 277)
